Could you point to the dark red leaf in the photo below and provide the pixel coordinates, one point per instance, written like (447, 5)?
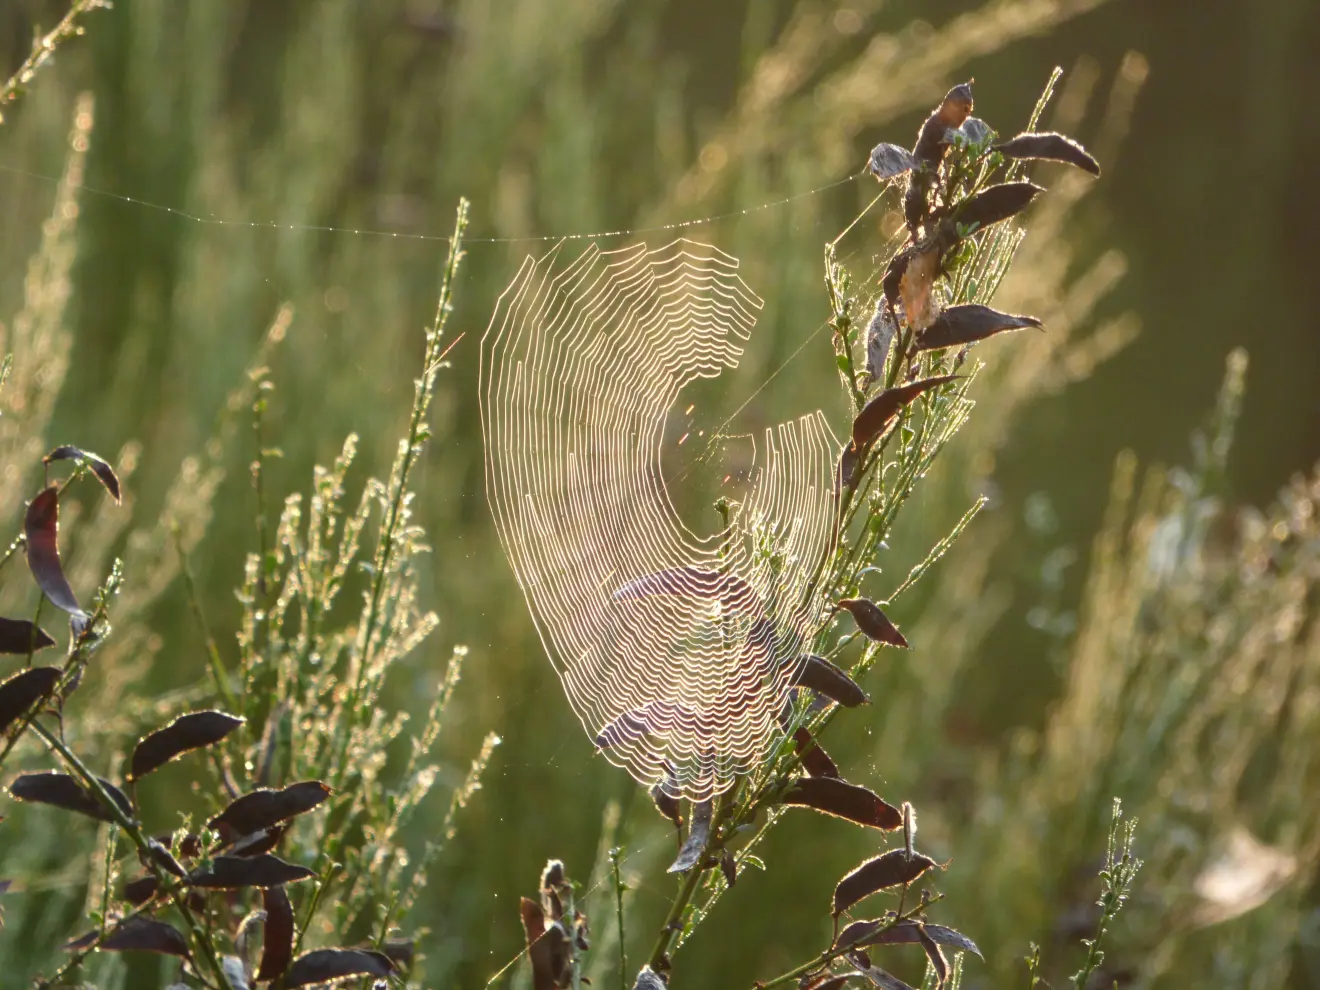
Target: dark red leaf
(873, 622)
(19, 636)
(62, 791)
(277, 939)
(667, 805)
(815, 760)
(22, 691)
(41, 526)
(264, 807)
(967, 324)
(935, 955)
(256, 843)
(825, 678)
(323, 965)
(99, 465)
(138, 934)
(844, 800)
(187, 732)
(877, 414)
(228, 872)
(861, 933)
(1054, 147)
(891, 869)
(698, 835)
(996, 203)
(889, 161)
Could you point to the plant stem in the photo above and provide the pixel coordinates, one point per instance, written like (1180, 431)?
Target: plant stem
(44, 48)
(618, 909)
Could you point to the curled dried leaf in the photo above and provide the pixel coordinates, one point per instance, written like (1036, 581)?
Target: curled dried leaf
(815, 760)
(23, 690)
(873, 623)
(975, 130)
(877, 414)
(729, 867)
(823, 677)
(139, 934)
(19, 636)
(996, 203)
(879, 337)
(264, 807)
(959, 325)
(230, 872)
(892, 869)
(323, 965)
(62, 791)
(649, 979)
(1051, 146)
(547, 946)
(844, 800)
(105, 474)
(667, 804)
(920, 307)
(888, 161)
(41, 527)
(187, 732)
(277, 937)
(695, 843)
(932, 141)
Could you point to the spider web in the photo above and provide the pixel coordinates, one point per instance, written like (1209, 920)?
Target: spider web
(676, 650)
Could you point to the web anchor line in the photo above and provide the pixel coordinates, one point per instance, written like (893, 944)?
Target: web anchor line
(411, 236)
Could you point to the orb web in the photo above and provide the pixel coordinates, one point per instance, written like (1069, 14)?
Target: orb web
(675, 649)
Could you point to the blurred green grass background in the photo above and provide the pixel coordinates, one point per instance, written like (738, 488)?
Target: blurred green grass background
(568, 116)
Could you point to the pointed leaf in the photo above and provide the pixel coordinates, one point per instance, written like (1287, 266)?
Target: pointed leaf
(141, 889)
(873, 623)
(844, 800)
(323, 965)
(19, 636)
(105, 474)
(160, 854)
(139, 934)
(256, 843)
(698, 835)
(815, 760)
(229, 872)
(889, 161)
(935, 955)
(823, 677)
(967, 324)
(884, 980)
(277, 937)
(264, 807)
(892, 869)
(997, 203)
(862, 933)
(1049, 145)
(187, 732)
(23, 690)
(62, 791)
(41, 525)
(877, 414)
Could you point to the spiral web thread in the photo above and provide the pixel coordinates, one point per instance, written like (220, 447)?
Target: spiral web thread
(676, 650)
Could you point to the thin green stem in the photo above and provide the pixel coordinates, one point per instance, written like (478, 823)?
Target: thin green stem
(43, 49)
(618, 911)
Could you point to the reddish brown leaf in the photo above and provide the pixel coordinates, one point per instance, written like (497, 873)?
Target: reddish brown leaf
(873, 623)
(277, 938)
(547, 946)
(861, 933)
(698, 835)
(905, 931)
(1049, 145)
(23, 690)
(41, 526)
(138, 934)
(62, 791)
(956, 107)
(229, 872)
(264, 807)
(844, 800)
(141, 890)
(891, 869)
(996, 203)
(323, 965)
(823, 677)
(877, 414)
(815, 760)
(256, 843)
(967, 324)
(19, 636)
(105, 474)
(915, 285)
(160, 854)
(187, 732)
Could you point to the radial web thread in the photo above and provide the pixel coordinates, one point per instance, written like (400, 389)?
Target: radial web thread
(676, 650)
